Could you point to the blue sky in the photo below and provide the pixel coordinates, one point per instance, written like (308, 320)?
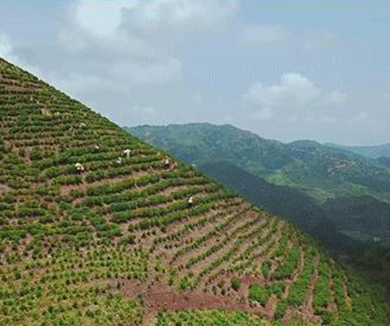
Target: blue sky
(286, 70)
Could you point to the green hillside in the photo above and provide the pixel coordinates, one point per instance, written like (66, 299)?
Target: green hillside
(320, 171)
(99, 228)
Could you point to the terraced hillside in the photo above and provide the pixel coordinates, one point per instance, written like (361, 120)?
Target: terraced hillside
(98, 228)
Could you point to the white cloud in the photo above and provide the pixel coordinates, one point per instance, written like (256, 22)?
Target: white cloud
(264, 37)
(91, 14)
(294, 92)
(320, 42)
(131, 42)
(179, 15)
(153, 15)
(294, 89)
(123, 77)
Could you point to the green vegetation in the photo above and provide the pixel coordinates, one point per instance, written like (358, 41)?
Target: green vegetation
(281, 308)
(322, 291)
(290, 264)
(261, 294)
(266, 268)
(235, 283)
(298, 290)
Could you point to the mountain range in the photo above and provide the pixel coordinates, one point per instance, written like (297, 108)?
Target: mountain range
(320, 171)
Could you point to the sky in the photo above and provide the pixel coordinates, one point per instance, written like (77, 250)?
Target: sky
(284, 69)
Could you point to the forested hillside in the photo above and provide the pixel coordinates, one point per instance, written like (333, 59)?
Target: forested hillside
(321, 172)
(99, 228)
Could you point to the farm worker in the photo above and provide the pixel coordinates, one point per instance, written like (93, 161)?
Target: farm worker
(119, 161)
(79, 167)
(127, 152)
(191, 200)
(167, 162)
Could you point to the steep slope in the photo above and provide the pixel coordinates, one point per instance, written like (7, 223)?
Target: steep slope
(320, 221)
(99, 228)
(369, 151)
(300, 208)
(320, 171)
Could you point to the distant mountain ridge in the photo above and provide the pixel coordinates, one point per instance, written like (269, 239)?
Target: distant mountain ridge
(320, 171)
(368, 151)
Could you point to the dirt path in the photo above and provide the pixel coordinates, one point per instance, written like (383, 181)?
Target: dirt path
(162, 297)
(271, 306)
(332, 306)
(308, 309)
